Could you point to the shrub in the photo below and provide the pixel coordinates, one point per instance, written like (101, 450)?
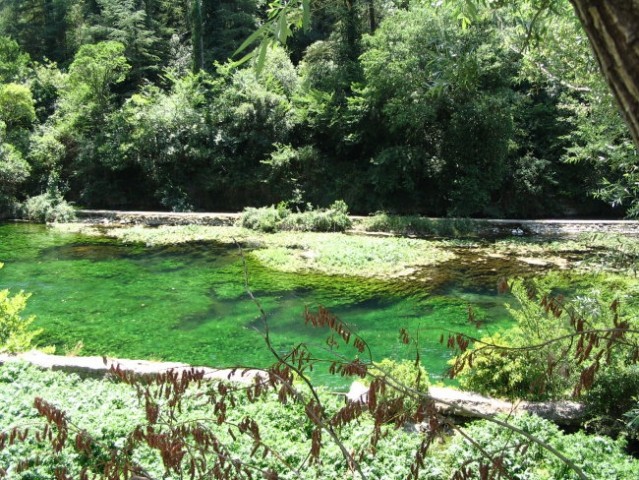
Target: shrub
(507, 366)
(48, 207)
(401, 377)
(612, 397)
(265, 219)
(559, 348)
(15, 335)
(417, 225)
(275, 218)
(332, 219)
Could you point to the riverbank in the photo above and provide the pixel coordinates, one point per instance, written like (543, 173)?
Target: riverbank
(543, 227)
(448, 401)
(119, 422)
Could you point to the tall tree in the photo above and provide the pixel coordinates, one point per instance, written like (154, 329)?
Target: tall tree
(39, 26)
(127, 22)
(225, 25)
(196, 35)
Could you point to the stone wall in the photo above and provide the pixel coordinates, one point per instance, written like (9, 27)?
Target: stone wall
(448, 400)
(156, 218)
(559, 227)
(486, 227)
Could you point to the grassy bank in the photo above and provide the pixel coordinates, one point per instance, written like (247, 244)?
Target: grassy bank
(109, 412)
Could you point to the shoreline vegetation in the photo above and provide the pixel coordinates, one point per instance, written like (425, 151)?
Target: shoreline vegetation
(110, 411)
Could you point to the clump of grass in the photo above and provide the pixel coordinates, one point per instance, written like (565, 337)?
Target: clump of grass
(264, 219)
(421, 226)
(340, 254)
(281, 218)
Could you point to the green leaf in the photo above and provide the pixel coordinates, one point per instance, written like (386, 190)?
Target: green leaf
(472, 10)
(282, 26)
(244, 59)
(306, 15)
(261, 58)
(251, 39)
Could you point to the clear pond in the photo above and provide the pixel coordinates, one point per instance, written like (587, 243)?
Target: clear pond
(188, 303)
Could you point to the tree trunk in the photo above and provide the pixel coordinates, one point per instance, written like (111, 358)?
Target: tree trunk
(371, 16)
(612, 27)
(197, 40)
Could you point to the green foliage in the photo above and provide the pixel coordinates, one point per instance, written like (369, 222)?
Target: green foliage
(14, 170)
(48, 207)
(332, 219)
(417, 116)
(416, 225)
(449, 135)
(128, 23)
(404, 380)
(265, 219)
(157, 132)
(95, 69)
(39, 28)
(16, 106)
(539, 357)
(109, 411)
(271, 219)
(612, 399)
(13, 61)
(599, 457)
(15, 333)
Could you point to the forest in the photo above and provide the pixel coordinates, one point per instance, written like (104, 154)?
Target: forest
(389, 106)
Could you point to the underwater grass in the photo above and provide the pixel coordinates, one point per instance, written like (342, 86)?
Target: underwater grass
(187, 301)
(326, 253)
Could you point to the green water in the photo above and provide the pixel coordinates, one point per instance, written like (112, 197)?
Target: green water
(188, 303)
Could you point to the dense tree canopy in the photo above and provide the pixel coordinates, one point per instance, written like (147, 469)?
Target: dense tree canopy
(389, 106)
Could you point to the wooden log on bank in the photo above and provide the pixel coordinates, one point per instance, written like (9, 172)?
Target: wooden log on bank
(471, 405)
